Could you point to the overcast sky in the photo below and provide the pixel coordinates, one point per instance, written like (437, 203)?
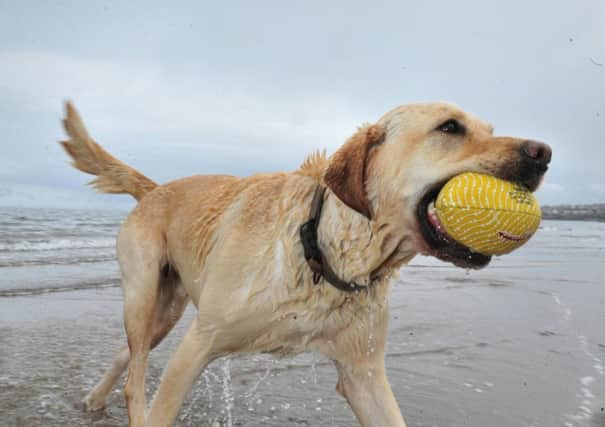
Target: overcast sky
(179, 88)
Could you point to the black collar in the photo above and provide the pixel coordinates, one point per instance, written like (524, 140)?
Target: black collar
(315, 258)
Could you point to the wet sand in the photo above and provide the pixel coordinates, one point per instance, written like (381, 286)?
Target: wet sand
(521, 343)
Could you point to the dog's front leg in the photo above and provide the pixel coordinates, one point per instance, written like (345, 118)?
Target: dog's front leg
(365, 386)
(191, 357)
(358, 352)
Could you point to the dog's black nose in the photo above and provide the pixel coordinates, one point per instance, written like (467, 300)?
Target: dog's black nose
(536, 152)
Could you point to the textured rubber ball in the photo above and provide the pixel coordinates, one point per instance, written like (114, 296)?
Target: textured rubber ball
(487, 214)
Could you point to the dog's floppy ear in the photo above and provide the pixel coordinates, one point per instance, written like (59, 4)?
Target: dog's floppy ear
(346, 173)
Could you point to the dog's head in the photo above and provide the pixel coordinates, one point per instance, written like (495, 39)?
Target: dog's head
(392, 170)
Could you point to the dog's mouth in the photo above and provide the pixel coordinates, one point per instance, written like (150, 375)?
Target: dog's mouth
(439, 243)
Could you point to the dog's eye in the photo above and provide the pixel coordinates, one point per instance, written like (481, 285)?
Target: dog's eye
(452, 126)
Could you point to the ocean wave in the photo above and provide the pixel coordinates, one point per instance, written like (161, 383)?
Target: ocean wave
(55, 244)
(105, 283)
(57, 261)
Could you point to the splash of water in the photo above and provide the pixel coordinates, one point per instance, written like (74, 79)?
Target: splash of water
(313, 370)
(251, 395)
(228, 397)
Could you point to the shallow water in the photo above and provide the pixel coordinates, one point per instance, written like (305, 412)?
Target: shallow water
(45, 249)
(520, 343)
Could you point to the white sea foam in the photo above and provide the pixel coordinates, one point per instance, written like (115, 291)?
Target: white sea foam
(54, 244)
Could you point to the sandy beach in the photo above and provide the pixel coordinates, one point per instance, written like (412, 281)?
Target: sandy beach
(520, 343)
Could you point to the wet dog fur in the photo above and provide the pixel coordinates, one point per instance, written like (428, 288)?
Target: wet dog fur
(231, 247)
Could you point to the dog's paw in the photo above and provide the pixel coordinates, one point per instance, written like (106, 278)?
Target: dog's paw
(92, 403)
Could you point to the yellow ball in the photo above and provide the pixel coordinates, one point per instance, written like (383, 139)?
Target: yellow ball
(487, 214)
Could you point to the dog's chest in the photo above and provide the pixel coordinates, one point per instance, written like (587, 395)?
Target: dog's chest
(320, 321)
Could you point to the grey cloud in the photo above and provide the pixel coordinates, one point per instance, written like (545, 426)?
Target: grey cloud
(246, 87)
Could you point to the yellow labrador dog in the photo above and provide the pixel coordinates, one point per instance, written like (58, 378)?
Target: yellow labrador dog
(290, 262)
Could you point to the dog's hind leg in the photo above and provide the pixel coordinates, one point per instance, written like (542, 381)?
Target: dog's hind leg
(96, 398)
(172, 302)
(142, 253)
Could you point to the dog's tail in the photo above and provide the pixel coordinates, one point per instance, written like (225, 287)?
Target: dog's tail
(113, 176)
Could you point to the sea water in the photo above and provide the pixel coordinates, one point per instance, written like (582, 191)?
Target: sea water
(519, 343)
